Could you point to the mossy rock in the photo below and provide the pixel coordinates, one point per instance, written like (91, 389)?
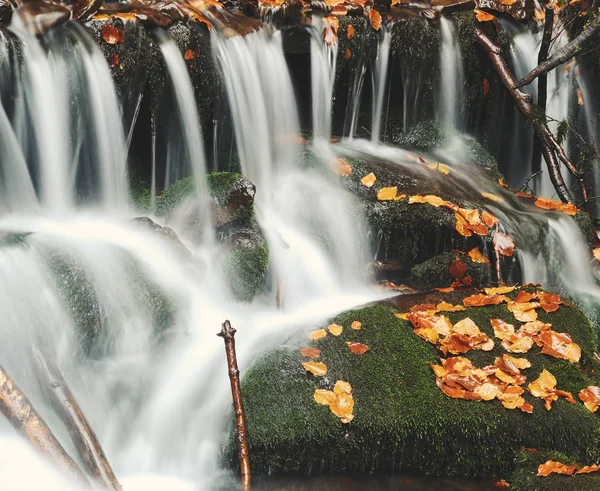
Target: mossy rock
(435, 272)
(403, 422)
(525, 477)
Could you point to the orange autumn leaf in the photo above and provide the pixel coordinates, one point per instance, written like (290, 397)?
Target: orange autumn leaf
(324, 397)
(507, 2)
(348, 54)
(403, 316)
(503, 244)
(387, 194)
(357, 348)
(340, 166)
(356, 325)
(457, 269)
(590, 396)
(448, 307)
(112, 34)
(596, 253)
(477, 257)
(189, 55)
(492, 197)
(549, 301)
(445, 290)
(589, 468)
(489, 219)
(552, 467)
(339, 10)
(310, 352)
(350, 31)
(335, 329)
(486, 86)
(462, 226)
(368, 180)
(502, 329)
(315, 367)
(499, 290)
(318, 334)
(441, 168)
(525, 311)
(550, 204)
(483, 16)
(524, 297)
(114, 60)
(479, 300)
(375, 18)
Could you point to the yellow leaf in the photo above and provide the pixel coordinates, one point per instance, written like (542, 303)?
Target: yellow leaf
(342, 387)
(404, 316)
(483, 16)
(356, 325)
(477, 257)
(448, 307)
(444, 169)
(324, 397)
(499, 290)
(596, 253)
(335, 329)
(318, 334)
(369, 180)
(386, 194)
(315, 367)
(493, 197)
(507, 2)
(375, 18)
(486, 391)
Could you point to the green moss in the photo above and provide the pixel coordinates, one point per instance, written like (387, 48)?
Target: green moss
(220, 183)
(586, 226)
(423, 135)
(435, 272)
(524, 478)
(403, 422)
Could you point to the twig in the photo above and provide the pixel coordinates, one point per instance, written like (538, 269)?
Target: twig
(15, 406)
(69, 411)
(536, 157)
(532, 176)
(228, 334)
(563, 54)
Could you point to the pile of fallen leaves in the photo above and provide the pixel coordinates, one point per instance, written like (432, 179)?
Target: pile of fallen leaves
(340, 399)
(457, 377)
(553, 467)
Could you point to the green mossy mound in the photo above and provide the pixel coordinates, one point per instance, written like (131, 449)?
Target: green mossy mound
(435, 272)
(403, 422)
(525, 478)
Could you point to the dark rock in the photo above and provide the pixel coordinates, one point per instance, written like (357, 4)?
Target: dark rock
(6, 11)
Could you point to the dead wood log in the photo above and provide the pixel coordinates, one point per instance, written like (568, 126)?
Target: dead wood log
(15, 406)
(536, 158)
(562, 55)
(552, 151)
(228, 334)
(69, 411)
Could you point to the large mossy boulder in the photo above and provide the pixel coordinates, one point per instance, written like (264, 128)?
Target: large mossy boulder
(403, 422)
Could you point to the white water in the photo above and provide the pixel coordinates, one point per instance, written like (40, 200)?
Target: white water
(451, 93)
(379, 81)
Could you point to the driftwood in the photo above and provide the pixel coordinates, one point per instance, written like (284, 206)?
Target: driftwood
(15, 406)
(228, 333)
(553, 153)
(69, 411)
(562, 55)
(536, 158)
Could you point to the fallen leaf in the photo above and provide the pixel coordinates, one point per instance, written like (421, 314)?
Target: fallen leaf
(356, 325)
(335, 329)
(445, 290)
(486, 86)
(550, 302)
(524, 312)
(596, 253)
(112, 34)
(339, 11)
(499, 290)
(369, 180)
(348, 54)
(489, 219)
(386, 194)
(552, 467)
(448, 307)
(350, 31)
(310, 352)
(114, 60)
(503, 244)
(342, 387)
(357, 348)
(507, 2)
(524, 297)
(502, 330)
(477, 257)
(457, 269)
(589, 468)
(189, 55)
(404, 316)
(340, 166)
(483, 16)
(550, 204)
(315, 367)
(492, 197)
(375, 18)
(443, 169)
(479, 300)
(590, 396)
(324, 397)
(318, 334)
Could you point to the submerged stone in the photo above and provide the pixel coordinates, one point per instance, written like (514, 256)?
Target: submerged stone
(402, 421)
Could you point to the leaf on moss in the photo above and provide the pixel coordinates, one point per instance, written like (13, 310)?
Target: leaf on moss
(482, 16)
(375, 18)
(335, 329)
(457, 269)
(310, 352)
(356, 325)
(524, 311)
(477, 256)
(350, 31)
(499, 290)
(479, 300)
(357, 348)
(112, 34)
(315, 367)
(552, 467)
(448, 307)
(324, 397)
(318, 334)
(589, 468)
(369, 180)
(590, 396)
(387, 194)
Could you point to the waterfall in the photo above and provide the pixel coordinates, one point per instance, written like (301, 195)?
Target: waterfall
(449, 113)
(379, 81)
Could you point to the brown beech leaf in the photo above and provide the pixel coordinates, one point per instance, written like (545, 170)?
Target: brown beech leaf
(589, 468)
(552, 467)
(114, 60)
(375, 18)
(315, 367)
(310, 352)
(477, 257)
(479, 300)
(357, 348)
(525, 311)
(324, 397)
(503, 244)
(502, 330)
(369, 180)
(356, 325)
(482, 16)
(524, 297)
(590, 396)
(339, 10)
(448, 307)
(387, 194)
(350, 31)
(318, 334)
(499, 290)
(489, 219)
(188, 55)
(340, 166)
(112, 34)
(549, 301)
(550, 204)
(457, 269)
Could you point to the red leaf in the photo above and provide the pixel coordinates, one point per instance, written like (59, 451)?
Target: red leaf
(112, 34)
(357, 348)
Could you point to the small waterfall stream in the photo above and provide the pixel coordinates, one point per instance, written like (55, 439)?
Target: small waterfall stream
(449, 111)
(379, 82)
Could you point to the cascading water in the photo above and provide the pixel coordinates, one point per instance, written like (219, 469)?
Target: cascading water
(451, 80)
(379, 81)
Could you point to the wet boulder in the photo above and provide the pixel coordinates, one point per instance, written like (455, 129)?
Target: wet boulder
(6, 11)
(402, 421)
(166, 232)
